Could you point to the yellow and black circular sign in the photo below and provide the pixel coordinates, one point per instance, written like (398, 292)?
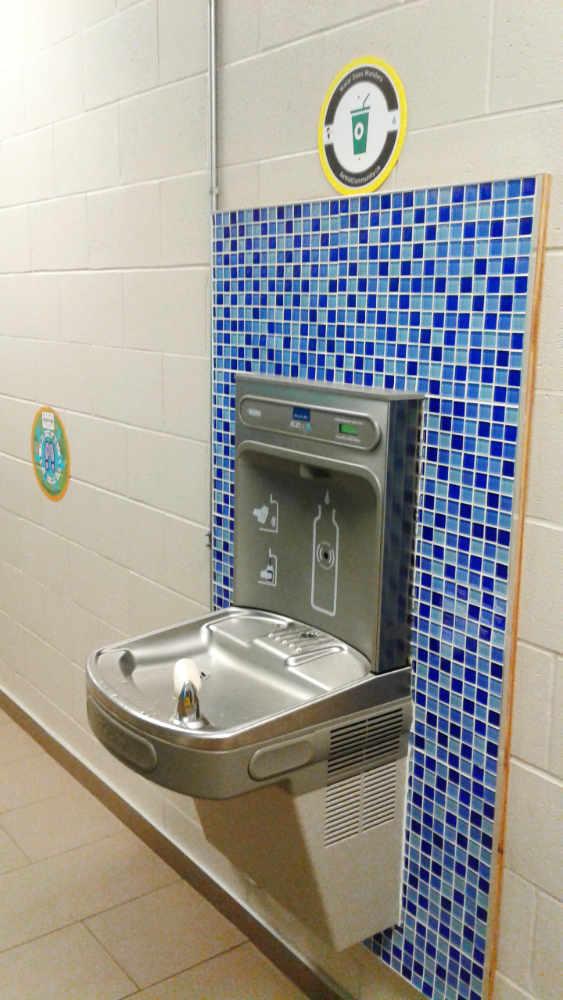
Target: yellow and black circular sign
(362, 125)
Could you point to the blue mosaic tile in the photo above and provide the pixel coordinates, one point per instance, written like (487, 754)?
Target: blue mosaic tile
(425, 291)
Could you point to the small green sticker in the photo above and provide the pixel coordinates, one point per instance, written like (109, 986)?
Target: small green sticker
(50, 453)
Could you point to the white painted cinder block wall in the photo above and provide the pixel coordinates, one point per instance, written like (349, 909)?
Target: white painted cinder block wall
(104, 315)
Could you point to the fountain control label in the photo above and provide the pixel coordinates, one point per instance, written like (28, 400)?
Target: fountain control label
(362, 125)
(50, 453)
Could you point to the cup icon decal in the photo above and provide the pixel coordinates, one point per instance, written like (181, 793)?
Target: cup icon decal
(360, 121)
(267, 516)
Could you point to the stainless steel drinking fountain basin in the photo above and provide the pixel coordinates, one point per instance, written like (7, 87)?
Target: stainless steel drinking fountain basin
(271, 689)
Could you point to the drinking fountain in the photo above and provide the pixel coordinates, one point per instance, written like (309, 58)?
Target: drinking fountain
(287, 714)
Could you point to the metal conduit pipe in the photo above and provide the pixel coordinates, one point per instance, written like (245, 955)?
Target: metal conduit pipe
(212, 71)
(213, 193)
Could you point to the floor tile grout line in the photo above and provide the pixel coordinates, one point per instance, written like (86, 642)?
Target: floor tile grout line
(178, 972)
(77, 920)
(62, 795)
(134, 899)
(273, 948)
(161, 888)
(59, 795)
(20, 867)
(57, 854)
(41, 861)
(28, 860)
(38, 937)
(46, 798)
(83, 921)
(113, 958)
(206, 961)
(79, 847)
(198, 965)
(58, 930)
(43, 798)
(90, 916)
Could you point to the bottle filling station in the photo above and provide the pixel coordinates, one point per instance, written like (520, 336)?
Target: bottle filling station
(287, 715)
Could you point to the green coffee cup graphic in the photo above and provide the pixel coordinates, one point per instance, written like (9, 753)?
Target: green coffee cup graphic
(360, 119)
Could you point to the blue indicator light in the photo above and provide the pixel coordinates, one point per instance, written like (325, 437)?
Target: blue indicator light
(302, 413)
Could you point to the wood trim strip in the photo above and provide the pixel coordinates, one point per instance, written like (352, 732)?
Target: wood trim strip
(521, 506)
(310, 982)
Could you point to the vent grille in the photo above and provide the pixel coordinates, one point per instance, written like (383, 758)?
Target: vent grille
(360, 803)
(360, 746)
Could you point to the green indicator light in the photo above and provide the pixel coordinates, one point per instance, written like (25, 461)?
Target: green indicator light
(351, 429)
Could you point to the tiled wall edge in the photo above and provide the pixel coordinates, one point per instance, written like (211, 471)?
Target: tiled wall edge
(391, 188)
(515, 574)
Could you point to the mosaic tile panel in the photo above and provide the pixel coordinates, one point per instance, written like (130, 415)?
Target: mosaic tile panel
(427, 291)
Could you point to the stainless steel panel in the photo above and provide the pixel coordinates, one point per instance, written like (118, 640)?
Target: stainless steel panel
(339, 426)
(324, 519)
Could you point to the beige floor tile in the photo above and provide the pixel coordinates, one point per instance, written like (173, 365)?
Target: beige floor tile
(242, 974)
(15, 744)
(49, 894)
(31, 780)
(10, 855)
(6, 722)
(66, 965)
(44, 829)
(7, 725)
(161, 934)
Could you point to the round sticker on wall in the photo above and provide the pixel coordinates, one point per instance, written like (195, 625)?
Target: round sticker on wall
(50, 453)
(362, 125)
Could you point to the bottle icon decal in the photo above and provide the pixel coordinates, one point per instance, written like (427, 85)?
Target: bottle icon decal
(269, 574)
(326, 543)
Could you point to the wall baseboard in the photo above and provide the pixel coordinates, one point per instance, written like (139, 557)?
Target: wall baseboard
(305, 978)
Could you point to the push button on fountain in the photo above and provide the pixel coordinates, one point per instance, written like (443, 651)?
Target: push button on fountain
(287, 756)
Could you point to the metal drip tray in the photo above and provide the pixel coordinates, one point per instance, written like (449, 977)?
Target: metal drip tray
(270, 687)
